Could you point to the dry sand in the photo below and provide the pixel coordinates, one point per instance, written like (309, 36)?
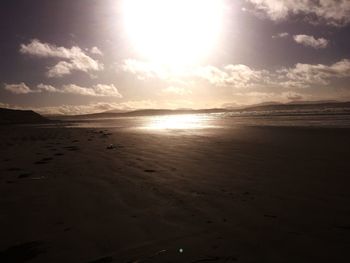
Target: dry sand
(249, 194)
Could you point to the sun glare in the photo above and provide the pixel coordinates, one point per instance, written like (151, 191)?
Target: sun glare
(173, 31)
(177, 122)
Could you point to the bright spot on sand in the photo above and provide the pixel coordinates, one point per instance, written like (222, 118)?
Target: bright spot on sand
(173, 32)
(181, 250)
(177, 122)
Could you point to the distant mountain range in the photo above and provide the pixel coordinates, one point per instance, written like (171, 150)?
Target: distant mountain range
(8, 116)
(294, 106)
(267, 106)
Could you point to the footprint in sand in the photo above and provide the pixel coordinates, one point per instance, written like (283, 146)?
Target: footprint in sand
(44, 160)
(149, 171)
(24, 175)
(102, 260)
(71, 148)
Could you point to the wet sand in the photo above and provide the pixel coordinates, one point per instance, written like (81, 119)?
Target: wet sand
(246, 194)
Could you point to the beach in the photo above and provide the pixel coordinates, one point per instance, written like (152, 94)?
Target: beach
(95, 193)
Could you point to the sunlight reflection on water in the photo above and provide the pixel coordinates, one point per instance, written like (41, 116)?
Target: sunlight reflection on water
(201, 122)
(177, 122)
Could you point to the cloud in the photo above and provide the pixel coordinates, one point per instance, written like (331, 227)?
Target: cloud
(106, 90)
(73, 59)
(85, 108)
(281, 35)
(238, 76)
(254, 97)
(305, 75)
(96, 90)
(107, 106)
(20, 88)
(310, 41)
(77, 109)
(96, 51)
(331, 12)
(45, 50)
(4, 105)
(293, 96)
(96, 107)
(47, 88)
(60, 69)
(99, 90)
(144, 70)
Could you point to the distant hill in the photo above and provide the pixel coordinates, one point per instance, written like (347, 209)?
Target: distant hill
(145, 112)
(8, 116)
(299, 106)
(267, 106)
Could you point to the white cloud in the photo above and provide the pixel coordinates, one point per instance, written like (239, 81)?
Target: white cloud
(238, 76)
(212, 74)
(45, 50)
(243, 77)
(60, 69)
(99, 90)
(122, 106)
(77, 109)
(305, 75)
(293, 96)
(74, 59)
(254, 97)
(75, 89)
(106, 90)
(281, 35)
(47, 88)
(97, 107)
(96, 51)
(332, 12)
(20, 88)
(311, 41)
(96, 90)
(87, 108)
(4, 105)
(144, 70)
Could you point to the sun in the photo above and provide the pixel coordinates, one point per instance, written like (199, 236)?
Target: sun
(173, 32)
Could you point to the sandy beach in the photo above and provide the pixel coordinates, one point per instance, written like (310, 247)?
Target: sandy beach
(240, 194)
(175, 131)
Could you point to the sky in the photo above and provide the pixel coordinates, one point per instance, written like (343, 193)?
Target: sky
(87, 56)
